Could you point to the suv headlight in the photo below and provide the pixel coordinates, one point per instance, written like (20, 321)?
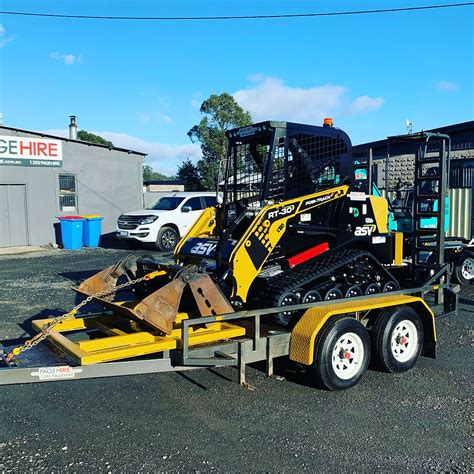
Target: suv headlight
(148, 220)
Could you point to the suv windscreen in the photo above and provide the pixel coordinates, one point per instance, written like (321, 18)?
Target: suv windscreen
(166, 203)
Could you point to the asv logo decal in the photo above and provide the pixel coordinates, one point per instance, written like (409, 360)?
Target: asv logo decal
(203, 248)
(281, 212)
(362, 231)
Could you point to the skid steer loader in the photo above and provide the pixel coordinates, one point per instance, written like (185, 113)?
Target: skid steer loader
(295, 226)
(299, 238)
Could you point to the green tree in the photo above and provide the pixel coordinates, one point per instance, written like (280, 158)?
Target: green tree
(149, 174)
(92, 138)
(221, 113)
(189, 173)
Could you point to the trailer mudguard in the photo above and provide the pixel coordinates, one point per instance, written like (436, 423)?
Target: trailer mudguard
(304, 333)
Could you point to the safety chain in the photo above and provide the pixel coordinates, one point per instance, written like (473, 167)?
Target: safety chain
(46, 329)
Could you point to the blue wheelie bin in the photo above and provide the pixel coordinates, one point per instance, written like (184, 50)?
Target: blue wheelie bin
(92, 230)
(71, 231)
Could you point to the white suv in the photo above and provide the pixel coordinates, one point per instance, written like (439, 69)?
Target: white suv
(166, 220)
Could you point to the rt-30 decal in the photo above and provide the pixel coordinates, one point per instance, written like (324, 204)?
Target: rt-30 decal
(284, 211)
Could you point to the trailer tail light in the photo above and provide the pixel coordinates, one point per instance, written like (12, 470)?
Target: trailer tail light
(307, 254)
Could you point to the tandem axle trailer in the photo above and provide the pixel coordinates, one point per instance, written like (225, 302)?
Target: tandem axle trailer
(96, 345)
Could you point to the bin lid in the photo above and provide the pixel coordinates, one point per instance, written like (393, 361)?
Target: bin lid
(92, 216)
(70, 218)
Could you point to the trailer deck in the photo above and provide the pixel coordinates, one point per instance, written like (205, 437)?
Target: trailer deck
(234, 339)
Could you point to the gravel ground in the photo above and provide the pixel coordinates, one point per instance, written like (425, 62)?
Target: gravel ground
(203, 420)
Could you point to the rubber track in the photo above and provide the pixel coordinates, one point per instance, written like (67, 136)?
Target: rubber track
(310, 271)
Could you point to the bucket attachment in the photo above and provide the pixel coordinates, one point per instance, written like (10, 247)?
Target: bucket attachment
(160, 308)
(107, 278)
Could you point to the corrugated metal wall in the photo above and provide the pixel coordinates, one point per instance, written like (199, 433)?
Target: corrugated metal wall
(460, 222)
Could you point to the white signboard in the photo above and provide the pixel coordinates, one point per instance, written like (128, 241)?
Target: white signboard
(23, 151)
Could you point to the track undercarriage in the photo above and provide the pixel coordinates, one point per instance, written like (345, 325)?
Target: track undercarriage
(342, 274)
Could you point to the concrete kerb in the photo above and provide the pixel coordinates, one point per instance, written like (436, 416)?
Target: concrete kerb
(19, 250)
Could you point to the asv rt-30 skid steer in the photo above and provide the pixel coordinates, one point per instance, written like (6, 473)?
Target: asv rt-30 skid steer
(295, 226)
(300, 238)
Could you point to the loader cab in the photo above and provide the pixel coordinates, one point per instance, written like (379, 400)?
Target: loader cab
(271, 162)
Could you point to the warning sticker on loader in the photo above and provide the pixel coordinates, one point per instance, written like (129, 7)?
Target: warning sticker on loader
(56, 373)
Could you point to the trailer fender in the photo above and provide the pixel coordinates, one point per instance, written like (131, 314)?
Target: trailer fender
(303, 335)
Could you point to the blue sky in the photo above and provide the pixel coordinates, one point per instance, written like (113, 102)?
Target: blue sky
(140, 84)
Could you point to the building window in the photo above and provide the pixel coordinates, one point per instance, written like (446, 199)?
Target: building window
(67, 193)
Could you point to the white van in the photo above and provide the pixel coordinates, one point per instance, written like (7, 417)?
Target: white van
(166, 220)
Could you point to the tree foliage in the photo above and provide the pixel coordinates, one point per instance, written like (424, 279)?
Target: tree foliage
(92, 138)
(221, 113)
(189, 173)
(149, 174)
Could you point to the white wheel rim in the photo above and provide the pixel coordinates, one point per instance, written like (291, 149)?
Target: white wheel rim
(348, 356)
(467, 269)
(404, 341)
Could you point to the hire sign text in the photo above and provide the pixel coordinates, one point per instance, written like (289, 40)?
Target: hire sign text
(23, 151)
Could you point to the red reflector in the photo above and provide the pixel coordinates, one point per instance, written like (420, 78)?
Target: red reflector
(307, 254)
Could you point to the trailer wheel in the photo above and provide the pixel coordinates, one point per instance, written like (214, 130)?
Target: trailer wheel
(341, 354)
(397, 339)
(464, 268)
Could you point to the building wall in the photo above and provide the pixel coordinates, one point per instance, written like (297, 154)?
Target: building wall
(165, 188)
(108, 182)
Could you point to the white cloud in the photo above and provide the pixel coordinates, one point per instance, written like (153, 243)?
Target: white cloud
(257, 77)
(197, 100)
(446, 86)
(67, 58)
(164, 117)
(145, 118)
(364, 104)
(271, 98)
(162, 157)
(4, 39)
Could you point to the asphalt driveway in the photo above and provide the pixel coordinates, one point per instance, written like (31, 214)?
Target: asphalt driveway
(204, 421)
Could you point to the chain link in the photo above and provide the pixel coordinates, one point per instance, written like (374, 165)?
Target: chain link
(47, 328)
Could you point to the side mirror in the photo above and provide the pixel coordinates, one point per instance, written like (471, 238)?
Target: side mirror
(186, 209)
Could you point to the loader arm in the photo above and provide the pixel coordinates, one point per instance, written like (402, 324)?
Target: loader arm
(205, 226)
(264, 234)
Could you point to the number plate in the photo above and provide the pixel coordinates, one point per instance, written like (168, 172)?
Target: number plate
(123, 233)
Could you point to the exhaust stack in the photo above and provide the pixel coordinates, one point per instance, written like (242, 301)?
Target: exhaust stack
(72, 128)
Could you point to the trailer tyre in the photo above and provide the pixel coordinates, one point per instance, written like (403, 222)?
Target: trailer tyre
(341, 354)
(397, 339)
(464, 268)
(167, 239)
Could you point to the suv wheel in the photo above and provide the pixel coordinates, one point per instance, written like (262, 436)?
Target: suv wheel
(167, 239)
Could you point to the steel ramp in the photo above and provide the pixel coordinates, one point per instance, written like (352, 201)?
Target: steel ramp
(104, 338)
